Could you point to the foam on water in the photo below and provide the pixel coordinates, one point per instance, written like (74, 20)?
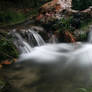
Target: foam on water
(75, 54)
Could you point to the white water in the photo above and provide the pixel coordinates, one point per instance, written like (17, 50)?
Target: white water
(76, 53)
(37, 37)
(69, 54)
(33, 38)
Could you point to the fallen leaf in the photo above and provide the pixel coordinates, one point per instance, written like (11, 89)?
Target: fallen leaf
(6, 62)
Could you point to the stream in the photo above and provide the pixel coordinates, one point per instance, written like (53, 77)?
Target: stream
(45, 67)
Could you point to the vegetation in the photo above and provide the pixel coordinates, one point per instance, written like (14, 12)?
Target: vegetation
(7, 49)
(85, 90)
(17, 11)
(63, 24)
(11, 17)
(81, 4)
(4, 4)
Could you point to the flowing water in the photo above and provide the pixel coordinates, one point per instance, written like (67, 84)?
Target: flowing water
(51, 67)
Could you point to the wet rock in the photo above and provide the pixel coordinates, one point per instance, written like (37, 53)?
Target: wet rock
(38, 28)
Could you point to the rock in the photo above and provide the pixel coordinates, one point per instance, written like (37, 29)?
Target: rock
(88, 11)
(57, 4)
(55, 10)
(52, 10)
(38, 28)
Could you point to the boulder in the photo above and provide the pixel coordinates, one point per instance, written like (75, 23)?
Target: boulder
(56, 5)
(54, 10)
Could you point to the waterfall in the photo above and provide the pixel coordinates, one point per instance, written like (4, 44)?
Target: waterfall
(90, 34)
(25, 44)
(37, 37)
(77, 53)
(20, 43)
(90, 37)
(33, 47)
